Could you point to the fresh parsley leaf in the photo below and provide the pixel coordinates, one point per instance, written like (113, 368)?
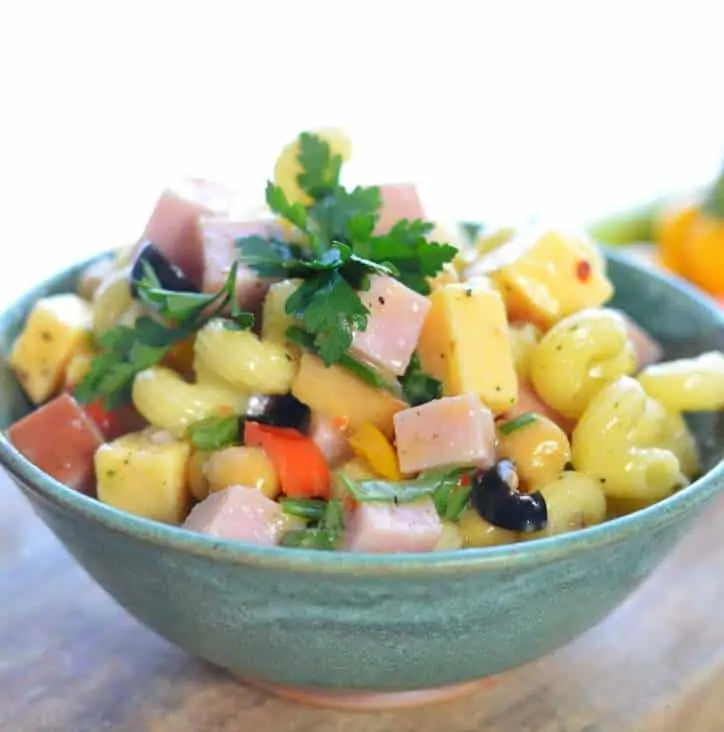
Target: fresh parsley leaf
(517, 423)
(331, 310)
(309, 509)
(406, 247)
(417, 386)
(402, 491)
(345, 215)
(125, 351)
(452, 495)
(324, 536)
(340, 251)
(320, 168)
(278, 202)
(215, 433)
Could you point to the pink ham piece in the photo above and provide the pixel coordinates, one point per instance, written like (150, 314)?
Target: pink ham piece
(330, 439)
(399, 201)
(647, 350)
(220, 252)
(174, 225)
(529, 401)
(61, 440)
(395, 320)
(384, 528)
(448, 432)
(239, 513)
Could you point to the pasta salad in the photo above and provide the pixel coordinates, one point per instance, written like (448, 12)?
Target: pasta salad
(339, 373)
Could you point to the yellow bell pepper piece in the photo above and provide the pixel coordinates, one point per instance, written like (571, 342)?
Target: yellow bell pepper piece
(371, 445)
(690, 237)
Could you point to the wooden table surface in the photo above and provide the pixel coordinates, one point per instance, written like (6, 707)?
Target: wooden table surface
(72, 661)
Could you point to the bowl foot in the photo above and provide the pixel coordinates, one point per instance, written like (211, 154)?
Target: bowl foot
(366, 700)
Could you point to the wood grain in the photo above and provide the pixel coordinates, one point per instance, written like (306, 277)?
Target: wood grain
(73, 661)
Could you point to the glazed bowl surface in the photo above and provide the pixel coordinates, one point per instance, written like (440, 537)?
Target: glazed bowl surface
(386, 623)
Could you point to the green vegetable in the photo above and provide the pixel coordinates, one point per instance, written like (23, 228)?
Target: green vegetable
(127, 350)
(310, 509)
(443, 486)
(452, 497)
(324, 536)
(515, 424)
(417, 386)
(215, 433)
(320, 169)
(340, 251)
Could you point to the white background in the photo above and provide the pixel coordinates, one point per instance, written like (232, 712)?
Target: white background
(496, 108)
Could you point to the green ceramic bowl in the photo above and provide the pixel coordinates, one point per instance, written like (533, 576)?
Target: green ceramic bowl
(333, 622)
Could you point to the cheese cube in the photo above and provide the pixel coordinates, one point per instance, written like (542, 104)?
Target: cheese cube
(145, 473)
(339, 394)
(465, 343)
(240, 513)
(57, 327)
(547, 276)
(396, 317)
(448, 432)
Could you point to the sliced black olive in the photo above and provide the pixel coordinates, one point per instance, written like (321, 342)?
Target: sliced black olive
(495, 496)
(279, 411)
(169, 275)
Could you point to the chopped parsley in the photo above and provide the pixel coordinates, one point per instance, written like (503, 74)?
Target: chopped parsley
(340, 250)
(517, 423)
(417, 386)
(324, 535)
(215, 433)
(446, 487)
(309, 509)
(127, 350)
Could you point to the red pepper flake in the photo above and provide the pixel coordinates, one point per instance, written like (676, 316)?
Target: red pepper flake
(465, 480)
(583, 270)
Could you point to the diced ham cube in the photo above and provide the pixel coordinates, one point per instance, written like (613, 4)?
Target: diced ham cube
(529, 401)
(61, 440)
(647, 350)
(220, 252)
(448, 432)
(174, 228)
(217, 198)
(395, 321)
(399, 201)
(330, 437)
(240, 513)
(383, 528)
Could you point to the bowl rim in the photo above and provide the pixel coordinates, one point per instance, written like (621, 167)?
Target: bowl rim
(548, 549)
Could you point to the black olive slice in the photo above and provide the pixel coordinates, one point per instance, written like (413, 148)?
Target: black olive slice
(169, 275)
(495, 496)
(280, 411)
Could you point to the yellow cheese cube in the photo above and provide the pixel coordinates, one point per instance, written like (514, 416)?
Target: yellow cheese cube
(145, 473)
(465, 343)
(79, 364)
(549, 276)
(58, 326)
(339, 394)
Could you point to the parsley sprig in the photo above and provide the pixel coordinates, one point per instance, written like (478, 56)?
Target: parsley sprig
(127, 350)
(340, 250)
(323, 534)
